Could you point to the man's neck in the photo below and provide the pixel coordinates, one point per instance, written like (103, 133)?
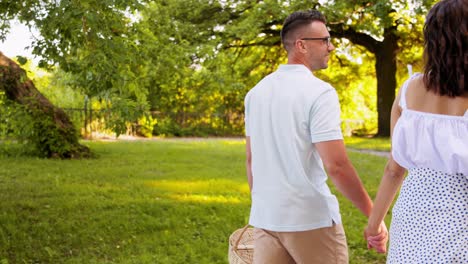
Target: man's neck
(298, 60)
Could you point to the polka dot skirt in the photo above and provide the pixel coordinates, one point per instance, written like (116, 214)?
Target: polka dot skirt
(430, 219)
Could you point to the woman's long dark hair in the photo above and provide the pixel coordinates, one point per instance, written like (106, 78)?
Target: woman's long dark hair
(446, 48)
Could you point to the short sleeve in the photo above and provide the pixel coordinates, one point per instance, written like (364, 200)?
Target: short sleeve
(324, 118)
(246, 115)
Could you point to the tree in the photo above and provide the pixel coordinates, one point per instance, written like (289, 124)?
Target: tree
(193, 80)
(92, 40)
(52, 125)
(383, 27)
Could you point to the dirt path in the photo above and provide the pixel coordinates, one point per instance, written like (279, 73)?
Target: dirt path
(385, 154)
(133, 138)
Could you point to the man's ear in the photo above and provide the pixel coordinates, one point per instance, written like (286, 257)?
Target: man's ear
(299, 45)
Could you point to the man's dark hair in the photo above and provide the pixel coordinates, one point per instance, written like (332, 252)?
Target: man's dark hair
(299, 19)
(446, 48)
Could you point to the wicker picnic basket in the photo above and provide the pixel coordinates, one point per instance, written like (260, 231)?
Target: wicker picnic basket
(241, 246)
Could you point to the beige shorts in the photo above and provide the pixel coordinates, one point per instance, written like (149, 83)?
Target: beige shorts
(324, 245)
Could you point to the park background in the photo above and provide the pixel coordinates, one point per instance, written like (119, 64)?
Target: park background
(174, 74)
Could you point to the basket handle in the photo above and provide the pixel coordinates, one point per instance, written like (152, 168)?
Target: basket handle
(236, 244)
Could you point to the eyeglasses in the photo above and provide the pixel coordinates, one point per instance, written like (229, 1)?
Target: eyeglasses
(327, 40)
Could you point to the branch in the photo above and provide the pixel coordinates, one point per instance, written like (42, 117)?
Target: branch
(339, 31)
(263, 42)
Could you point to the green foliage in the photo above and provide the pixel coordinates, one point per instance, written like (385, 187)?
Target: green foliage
(351, 74)
(56, 85)
(372, 17)
(48, 139)
(57, 88)
(166, 127)
(146, 125)
(96, 45)
(160, 201)
(22, 60)
(15, 128)
(198, 59)
(29, 132)
(121, 113)
(46, 130)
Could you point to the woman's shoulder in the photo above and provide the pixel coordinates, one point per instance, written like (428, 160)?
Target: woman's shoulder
(416, 79)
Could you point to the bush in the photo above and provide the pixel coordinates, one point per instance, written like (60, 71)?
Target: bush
(16, 128)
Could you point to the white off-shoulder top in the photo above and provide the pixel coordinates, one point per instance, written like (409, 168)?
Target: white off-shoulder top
(426, 140)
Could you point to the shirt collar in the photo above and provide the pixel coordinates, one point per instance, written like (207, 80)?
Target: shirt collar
(293, 68)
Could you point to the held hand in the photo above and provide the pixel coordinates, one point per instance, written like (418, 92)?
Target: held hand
(377, 239)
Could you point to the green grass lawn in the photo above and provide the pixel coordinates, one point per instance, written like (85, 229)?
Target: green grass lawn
(160, 201)
(380, 144)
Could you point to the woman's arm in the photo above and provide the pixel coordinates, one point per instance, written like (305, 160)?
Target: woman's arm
(391, 181)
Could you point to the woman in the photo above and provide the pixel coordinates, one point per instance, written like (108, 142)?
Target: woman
(430, 139)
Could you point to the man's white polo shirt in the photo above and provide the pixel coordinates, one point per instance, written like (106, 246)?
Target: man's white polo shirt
(285, 113)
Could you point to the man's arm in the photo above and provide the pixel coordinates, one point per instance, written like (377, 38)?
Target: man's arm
(248, 161)
(343, 175)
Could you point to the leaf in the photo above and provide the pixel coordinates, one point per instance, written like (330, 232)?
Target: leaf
(22, 60)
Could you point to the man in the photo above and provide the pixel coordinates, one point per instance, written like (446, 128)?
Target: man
(292, 122)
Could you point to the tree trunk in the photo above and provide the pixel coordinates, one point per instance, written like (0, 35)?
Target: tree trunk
(385, 66)
(54, 133)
